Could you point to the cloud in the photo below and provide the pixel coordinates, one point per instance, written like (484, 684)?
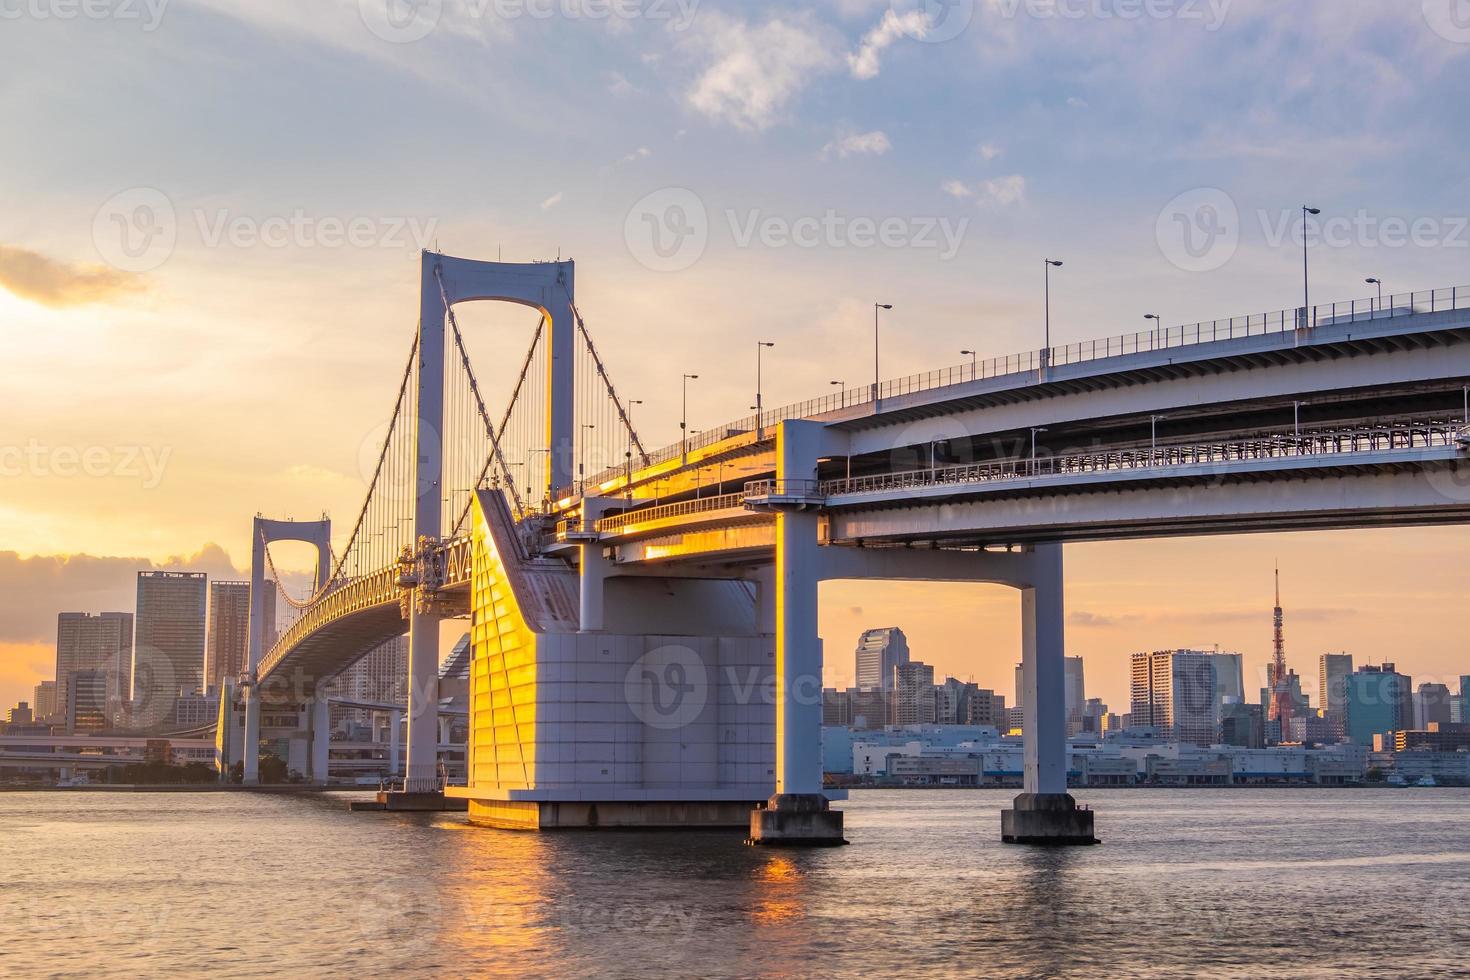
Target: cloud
(863, 63)
(988, 151)
(1003, 191)
(1076, 103)
(638, 154)
(33, 276)
(875, 143)
(619, 85)
(756, 71)
(551, 201)
(31, 588)
(997, 192)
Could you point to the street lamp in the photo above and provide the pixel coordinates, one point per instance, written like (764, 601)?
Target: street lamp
(842, 394)
(1296, 419)
(876, 308)
(1158, 326)
(628, 480)
(1379, 283)
(582, 458)
(1153, 433)
(530, 453)
(974, 365)
(760, 432)
(684, 420)
(1306, 290)
(1034, 430)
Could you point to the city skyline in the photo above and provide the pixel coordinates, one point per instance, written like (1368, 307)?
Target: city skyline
(815, 105)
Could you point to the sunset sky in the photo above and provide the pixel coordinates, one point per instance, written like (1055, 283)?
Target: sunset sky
(213, 208)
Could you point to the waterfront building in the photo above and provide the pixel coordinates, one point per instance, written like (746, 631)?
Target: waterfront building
(1176, 691)
(1431, 705)
(1229, 677)
(1243, 725)
(1332, 674)
(912, 700)
(1379, 700)
(87, 642)
(1075, 690)
(1436, 738)
(879, 651)
(835, 709)
(228, 643)
(169, 635)
(43, 701)
(86, 701)
(21, 714)
(1460, 707)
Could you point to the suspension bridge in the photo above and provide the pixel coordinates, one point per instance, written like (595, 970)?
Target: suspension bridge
(644, 621)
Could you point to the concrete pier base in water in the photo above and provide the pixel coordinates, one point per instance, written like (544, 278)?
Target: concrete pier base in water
(1052, 819)
(796, 820)
(607, 815)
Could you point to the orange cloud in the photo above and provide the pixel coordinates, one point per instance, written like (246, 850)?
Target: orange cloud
(31, 275)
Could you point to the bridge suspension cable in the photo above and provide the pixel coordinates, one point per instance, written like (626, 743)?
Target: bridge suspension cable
(634, 442)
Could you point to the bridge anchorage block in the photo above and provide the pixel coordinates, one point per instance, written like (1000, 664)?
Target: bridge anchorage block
(1047, 819)
(796, 820)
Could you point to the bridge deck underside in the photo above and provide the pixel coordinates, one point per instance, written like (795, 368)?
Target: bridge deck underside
(335, 646)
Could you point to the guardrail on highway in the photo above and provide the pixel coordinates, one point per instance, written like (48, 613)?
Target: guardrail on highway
(1185, 335)
(1327, 442)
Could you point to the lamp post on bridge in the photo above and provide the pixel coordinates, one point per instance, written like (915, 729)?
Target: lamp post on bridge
(1308, 319)
(1048, 265)
(530, 453)
(760, 429)
(628, 469)
(1034, 430)
(1153, 434)
(582, 457)
(974, 364)
(1375, 281)
(1158, 327)
(684, 421)
(843, 394)
(877, 378)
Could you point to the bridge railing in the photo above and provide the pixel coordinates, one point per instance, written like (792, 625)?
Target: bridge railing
(1327, 442)
(1032, 362)
(618, 522)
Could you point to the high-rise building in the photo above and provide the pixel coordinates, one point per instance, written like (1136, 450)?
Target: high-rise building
(878, 652)
(1229, 677)
(1379, 700)
(1460, 707)
(1333, 671)
(1174, 690)
(381, 676)
(912, 699)
(229, 631)
(168, 641)
(951, 700)
(1243, 725)
(1431, 704)
(21, 714)
(867, 707)
(43, 702)
(103, 642)
(1075, 692)
(86, 701)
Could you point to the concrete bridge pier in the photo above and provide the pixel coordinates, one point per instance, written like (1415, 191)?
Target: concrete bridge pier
(1045, 812)
(321, 740)
(798, 814)
(395, 745)
(250, 750)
